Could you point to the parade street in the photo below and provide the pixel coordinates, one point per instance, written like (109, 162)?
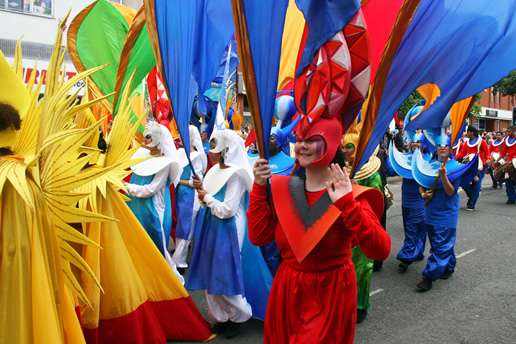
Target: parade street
(476, 305)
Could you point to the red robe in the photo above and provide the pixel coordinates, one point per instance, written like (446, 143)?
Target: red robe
(508, 150)
(467, 149)
(315, 300)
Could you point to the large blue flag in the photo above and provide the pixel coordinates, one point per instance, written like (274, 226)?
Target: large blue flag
(265, 22)
(192, 36)
(324, 19)
(461, 46)
(214, 29)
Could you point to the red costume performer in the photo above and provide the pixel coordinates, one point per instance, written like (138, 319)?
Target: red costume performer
(479, 146)
(316, 221)
(495, 147)
(315, 300)
(508, 150)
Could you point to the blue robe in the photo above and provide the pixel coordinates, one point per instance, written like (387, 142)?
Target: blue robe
(185, 197)
(145, 211)
(218, 266)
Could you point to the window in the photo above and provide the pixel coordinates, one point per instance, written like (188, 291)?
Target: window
(28, 6)
(499, 98)
(492, 96)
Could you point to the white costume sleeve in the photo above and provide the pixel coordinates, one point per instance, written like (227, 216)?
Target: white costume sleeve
(148, 190)
(197, 165)
(234, 192)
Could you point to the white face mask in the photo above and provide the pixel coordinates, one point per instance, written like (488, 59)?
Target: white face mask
(155, 133)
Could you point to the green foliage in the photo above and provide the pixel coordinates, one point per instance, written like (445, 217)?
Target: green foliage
(506, 86)
(476, 110)
(410, 102)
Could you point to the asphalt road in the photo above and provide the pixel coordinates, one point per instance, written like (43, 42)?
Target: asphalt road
(476, 305)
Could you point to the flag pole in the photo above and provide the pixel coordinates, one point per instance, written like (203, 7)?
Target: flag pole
(246, 58)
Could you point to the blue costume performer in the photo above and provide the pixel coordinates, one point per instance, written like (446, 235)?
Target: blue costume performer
(149, 187)
(412, 205)
(442, 211)
(224, 263)
(187, 204)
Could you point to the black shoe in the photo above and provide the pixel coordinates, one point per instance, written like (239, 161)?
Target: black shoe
(470, 207)
(232, 330)
(447, 274)
(377, 265)
(361, 315)
(404, 264)
(219, 328)
(494, 186)
(510, 202)
(469, 202)
(181, 270)
(425, 284)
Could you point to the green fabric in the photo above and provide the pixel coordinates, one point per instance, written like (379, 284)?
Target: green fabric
(374, 181)
(364, 271)
(99, 40)
(364, 265)
(142, 60)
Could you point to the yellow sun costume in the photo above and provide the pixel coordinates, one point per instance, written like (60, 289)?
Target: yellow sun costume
(45, 173)
(38, 170)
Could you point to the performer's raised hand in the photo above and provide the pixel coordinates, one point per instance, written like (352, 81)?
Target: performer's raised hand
(340, 185)
(261, 171)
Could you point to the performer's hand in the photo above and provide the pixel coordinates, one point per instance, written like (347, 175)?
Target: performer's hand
(261, 171)
(340, 185)
(196, 184)
(428, 195)
(201, 194)
(442, 170)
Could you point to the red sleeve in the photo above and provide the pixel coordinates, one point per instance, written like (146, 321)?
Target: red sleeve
(503, 153)
(484, 151)
(462, 151)
(367, 231)
(490, 150)
(260, 225)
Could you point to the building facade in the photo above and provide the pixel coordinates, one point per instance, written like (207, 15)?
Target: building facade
(497, 112)
(36, 22)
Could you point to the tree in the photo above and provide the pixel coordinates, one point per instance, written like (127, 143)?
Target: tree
(409, 103)
(506, 86)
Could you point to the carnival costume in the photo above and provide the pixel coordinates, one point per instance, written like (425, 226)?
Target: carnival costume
(37, 205)
(479, 147)
(412, 205)
(224, 263)
(495, 148)
(149, 192)
(186, 202)
(313, 299)
(367, 176)
(442, 211)
(509, 152)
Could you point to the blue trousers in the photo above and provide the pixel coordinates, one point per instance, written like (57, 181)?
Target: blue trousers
(491, 173)
(510, 188)
(442, 254)
(415, 234)
(473, 189)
